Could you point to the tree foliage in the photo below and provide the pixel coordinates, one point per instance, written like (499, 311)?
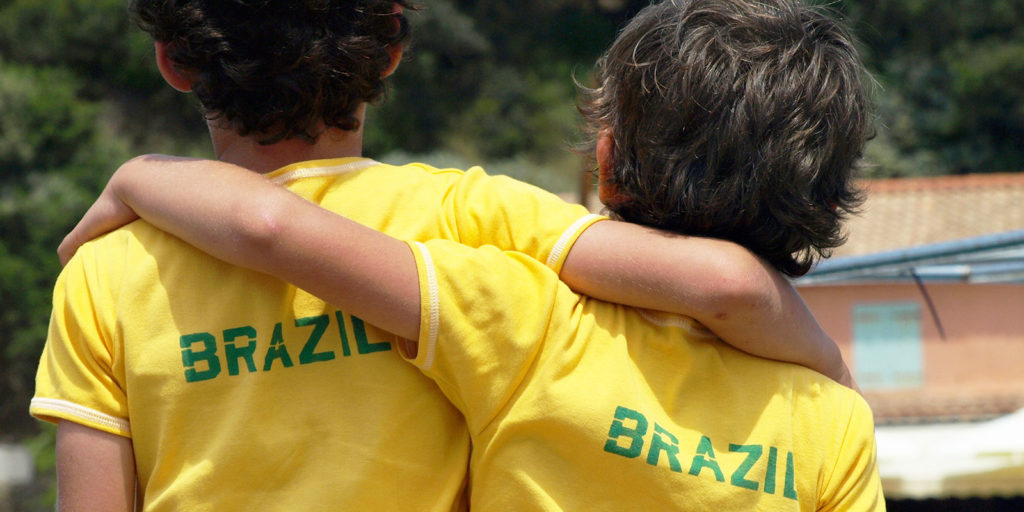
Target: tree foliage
(951, 89)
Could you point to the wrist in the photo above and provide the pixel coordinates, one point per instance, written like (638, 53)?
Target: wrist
(841, 374)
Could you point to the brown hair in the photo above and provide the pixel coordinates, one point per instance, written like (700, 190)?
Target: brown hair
(737, 120)
(279, 69)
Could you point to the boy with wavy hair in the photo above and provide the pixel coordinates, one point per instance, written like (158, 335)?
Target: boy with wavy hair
(744, 121)
(222, 377)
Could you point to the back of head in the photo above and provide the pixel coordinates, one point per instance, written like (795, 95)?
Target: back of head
(738, 120)
(279, 69)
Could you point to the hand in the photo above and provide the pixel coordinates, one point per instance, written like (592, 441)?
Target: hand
(846, 379)
(108, 213)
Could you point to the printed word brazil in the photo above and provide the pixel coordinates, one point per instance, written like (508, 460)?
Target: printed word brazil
(315, 339)
(755, 467)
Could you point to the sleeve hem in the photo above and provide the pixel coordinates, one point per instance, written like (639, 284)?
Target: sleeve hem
(53, 410)
(565, 242)
(430, 310)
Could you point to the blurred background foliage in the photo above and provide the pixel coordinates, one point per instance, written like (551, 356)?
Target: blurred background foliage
(485, 82)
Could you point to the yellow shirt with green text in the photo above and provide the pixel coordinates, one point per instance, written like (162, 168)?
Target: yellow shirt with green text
(241, 392)
(576, 404)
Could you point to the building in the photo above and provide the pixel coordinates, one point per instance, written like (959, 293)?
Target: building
(926, 301)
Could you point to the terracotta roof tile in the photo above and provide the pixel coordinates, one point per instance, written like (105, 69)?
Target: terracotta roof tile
(908, 212)
(931, 405)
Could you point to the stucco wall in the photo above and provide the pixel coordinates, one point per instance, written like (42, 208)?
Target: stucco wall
(981, 358)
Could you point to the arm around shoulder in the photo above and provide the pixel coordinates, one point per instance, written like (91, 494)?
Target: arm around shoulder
(721, 284)
(242, 218)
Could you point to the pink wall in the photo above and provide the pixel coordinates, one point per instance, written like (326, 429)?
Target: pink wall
(984, 326)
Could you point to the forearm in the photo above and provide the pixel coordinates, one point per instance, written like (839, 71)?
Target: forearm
(775, 323)
(740, 298)
(242, 218)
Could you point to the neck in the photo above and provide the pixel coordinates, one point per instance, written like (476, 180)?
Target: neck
(247, 152)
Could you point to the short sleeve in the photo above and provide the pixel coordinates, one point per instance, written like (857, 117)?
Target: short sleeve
(80, 376)
(516, 216)
(485, 317)
(855, 485)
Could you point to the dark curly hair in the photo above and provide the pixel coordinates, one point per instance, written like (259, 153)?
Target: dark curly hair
(279, 69)
(737, 120)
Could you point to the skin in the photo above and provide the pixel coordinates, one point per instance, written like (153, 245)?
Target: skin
(95, 470)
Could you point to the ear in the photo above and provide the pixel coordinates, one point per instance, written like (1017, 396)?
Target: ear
(175, 77)
(395, 51)
(607, 188)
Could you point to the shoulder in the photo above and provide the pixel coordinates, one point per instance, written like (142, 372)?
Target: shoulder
(450, 172)
(314, 177)
(420, 171)
(110, 251)
(96, 271)
(476, 179)
(131, 241)
(506, 281)
(134, 255)
(837, 418)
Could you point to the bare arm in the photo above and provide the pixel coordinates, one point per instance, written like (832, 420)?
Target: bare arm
(240, 217)
(95, 470)
(739, 297)
(718, 283)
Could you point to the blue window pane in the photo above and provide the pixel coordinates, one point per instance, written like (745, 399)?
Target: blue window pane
(887, 345)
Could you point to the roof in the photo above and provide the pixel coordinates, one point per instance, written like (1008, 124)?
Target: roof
(908, 212)
(930, 405)
(996, 258)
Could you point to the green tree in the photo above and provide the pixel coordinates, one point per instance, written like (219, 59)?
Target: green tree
(111, 60)
(55, 158)
(952, 71)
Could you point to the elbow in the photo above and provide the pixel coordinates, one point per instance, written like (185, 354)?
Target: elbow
(746, 284)
(262, 227)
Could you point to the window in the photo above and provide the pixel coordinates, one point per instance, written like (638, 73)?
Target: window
(887, 349)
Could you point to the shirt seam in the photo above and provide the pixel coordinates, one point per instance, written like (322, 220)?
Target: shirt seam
(564, 241)
(433, 306)
(41, 406)
(321, 171)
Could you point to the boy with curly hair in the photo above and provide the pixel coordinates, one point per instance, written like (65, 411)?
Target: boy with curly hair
(222, 388)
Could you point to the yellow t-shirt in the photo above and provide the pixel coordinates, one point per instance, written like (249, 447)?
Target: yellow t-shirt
(575, 404)
(240, 392)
